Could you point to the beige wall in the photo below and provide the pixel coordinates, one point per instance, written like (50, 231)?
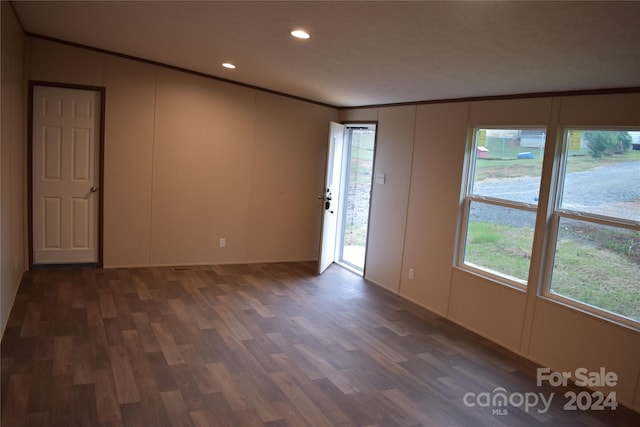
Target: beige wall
(433, 205)
(431, 154)
(189, 160)
(128, 157)
(13, 158)
(394, 147)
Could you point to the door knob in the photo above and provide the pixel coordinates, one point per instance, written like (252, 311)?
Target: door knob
(93, 189)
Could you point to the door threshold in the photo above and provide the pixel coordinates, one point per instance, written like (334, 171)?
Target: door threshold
(351, 268)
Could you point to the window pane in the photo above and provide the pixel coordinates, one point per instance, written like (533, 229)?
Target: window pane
(508, 163)
(603, 173)
(499, 240)
(598, 265)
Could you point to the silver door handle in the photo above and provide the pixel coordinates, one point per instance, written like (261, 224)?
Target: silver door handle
(93, 189)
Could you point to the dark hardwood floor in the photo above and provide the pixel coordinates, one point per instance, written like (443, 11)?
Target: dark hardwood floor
(244, 345)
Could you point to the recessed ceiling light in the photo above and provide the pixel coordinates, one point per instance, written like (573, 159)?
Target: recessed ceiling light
(228, 65)
(300, 34)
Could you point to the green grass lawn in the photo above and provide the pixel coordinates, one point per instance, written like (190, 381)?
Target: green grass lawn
(500, 248)
(599, 277)
(586, 162)
(590, 271)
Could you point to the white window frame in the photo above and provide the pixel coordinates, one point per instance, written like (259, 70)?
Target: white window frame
(468, 197)
(557, 212)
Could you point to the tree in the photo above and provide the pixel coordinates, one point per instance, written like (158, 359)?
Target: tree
(624, 142)
(605, 142)
(600, 142)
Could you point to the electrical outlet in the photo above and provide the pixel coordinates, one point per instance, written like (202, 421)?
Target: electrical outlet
(411, 274)
(223, 242)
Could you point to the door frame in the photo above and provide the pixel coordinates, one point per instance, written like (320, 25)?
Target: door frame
(340, 202)
(101, 126)
(356, 123)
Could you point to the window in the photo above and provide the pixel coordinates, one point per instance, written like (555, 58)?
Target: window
(595, 258)
(500, 203)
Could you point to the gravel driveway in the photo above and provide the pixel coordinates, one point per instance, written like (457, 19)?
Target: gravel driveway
(613, 190)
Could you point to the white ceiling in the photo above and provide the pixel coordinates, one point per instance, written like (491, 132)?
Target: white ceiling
(365, 53)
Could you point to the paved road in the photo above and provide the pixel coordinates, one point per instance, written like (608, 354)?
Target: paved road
(612, 190)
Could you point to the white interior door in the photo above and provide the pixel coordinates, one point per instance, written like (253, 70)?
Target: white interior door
(331, 196)
(65, 156)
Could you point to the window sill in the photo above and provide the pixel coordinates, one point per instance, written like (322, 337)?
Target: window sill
(492, 278)
(592, 312)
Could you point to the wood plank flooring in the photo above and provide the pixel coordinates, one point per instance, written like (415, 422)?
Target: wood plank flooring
(249, 345)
